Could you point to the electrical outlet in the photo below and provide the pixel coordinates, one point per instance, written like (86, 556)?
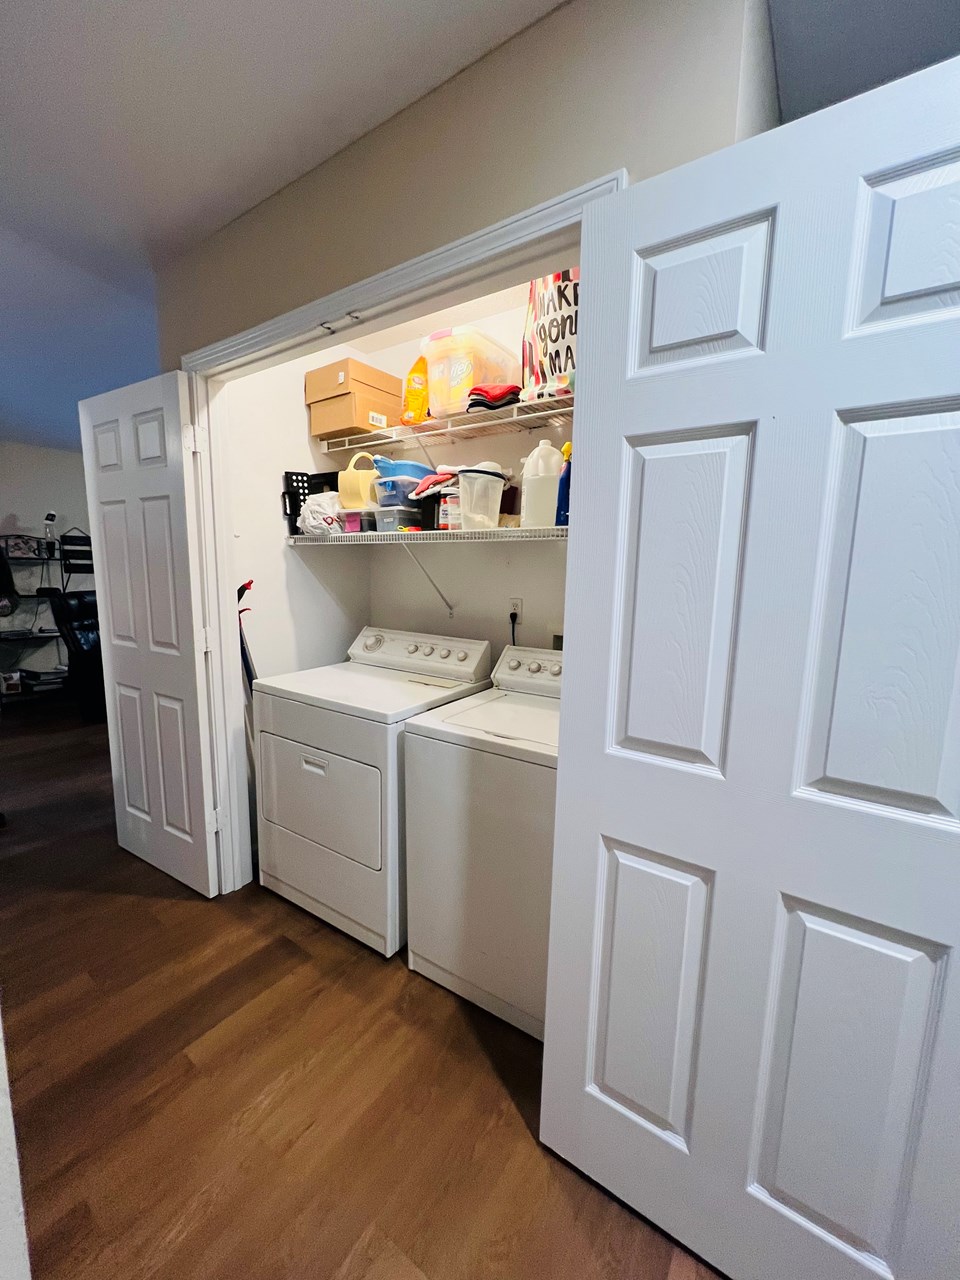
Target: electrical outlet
(516, 606)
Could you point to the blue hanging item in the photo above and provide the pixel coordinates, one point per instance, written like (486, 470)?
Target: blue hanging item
(563, 488)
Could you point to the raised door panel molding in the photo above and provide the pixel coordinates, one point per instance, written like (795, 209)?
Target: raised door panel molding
(885, 721)
(909, 266)
(150, 435)
(116, 565)
(133, 750)
(686, 506)
(653, 941)
(164, 632)
(703, 296)
(848, 1050)
(106, 440)
(172, 750)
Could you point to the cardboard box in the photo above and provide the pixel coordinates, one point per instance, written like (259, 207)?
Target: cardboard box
(349, 396)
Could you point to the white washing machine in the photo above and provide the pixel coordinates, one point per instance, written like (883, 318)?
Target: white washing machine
(481, 788)
(330, 774)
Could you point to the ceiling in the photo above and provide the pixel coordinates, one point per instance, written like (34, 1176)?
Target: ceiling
(828, 50)
(130, 129)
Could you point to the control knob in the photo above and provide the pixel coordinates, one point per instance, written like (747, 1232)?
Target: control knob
(412, 648)
(427, 650)
(514, 664)
(462, 655)
(534, 667)
(444, 653)
(372, 644)
(556, 669)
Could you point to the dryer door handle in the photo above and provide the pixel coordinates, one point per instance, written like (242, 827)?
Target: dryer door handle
(314, 765)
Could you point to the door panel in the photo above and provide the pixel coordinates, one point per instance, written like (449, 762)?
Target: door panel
(139, 462)
(687, 501)
(753, 1013)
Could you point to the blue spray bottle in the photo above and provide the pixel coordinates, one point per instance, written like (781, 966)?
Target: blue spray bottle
(563, 490)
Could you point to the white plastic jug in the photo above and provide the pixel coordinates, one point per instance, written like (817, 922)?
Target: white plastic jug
(541, 480)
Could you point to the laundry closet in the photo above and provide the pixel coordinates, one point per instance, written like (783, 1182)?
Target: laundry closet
(310, 597)
(412, 786)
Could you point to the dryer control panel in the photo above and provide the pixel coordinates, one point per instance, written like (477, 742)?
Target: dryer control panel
(450, 657)
(536, 671)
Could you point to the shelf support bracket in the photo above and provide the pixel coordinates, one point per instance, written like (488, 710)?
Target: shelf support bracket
(426, 574)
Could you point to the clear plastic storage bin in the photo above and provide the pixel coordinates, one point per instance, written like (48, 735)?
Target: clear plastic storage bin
(392, 519)
(461, 358)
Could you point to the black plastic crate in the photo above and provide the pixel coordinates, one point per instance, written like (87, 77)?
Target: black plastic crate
(298, 486)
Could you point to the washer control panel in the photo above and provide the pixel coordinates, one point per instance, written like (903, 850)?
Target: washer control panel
(529, 671)
(448, 657)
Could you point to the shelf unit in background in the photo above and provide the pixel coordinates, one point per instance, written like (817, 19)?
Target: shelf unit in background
(537, 415)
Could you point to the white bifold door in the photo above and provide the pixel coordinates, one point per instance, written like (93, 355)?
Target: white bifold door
(753, 1022)
(138, 451)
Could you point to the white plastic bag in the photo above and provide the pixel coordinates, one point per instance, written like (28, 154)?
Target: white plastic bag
(321, 514)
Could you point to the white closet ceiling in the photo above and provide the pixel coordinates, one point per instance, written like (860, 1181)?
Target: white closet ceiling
(131, 128)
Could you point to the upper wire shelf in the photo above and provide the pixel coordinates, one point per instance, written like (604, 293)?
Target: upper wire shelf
(530, 416)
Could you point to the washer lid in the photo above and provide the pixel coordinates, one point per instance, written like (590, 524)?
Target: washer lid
(520, 725)
(372, 693)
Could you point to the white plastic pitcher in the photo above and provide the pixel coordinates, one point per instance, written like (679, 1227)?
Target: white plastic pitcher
(541, 481)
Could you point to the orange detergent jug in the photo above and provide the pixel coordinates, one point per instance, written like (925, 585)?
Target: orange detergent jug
(416, 399)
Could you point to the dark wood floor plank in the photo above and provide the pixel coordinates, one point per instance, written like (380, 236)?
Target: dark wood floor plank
(231, 1089)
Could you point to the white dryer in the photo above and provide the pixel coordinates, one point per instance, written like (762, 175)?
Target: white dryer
(481, 789)
(330, 774)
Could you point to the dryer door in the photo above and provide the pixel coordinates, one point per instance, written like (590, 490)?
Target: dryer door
(327, 799)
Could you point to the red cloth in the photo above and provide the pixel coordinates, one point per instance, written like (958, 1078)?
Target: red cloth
(494, 390)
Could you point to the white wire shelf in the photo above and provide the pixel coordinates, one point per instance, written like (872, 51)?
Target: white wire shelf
(556, 533)
(534, 416)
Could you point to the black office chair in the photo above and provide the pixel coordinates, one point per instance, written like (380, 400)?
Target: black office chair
(77, 620)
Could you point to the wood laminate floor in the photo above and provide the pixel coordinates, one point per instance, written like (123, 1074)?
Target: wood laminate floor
(231, 1089)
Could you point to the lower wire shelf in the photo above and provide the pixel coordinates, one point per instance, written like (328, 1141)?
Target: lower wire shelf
(555, 533)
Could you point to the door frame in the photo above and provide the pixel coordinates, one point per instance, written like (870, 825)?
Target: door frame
(522, 241)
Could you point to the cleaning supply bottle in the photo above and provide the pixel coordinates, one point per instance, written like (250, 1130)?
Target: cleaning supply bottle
(563, 489)
(541, 480)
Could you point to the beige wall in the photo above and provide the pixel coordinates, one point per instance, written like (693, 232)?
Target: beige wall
(595, 86)
(34, 480)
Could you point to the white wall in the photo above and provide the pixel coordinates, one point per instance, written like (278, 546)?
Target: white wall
(34, 480)
(306, 606)
(14, 1264)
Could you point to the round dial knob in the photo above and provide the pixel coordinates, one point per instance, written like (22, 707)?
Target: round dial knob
(412, 648)
(427, 650)
(514, 664)
(462, 655)
(372, 644)
(556, 669)
(444, 653)
(534, 667)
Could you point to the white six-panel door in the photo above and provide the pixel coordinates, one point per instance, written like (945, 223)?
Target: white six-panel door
(753, 1023)
(138, 457)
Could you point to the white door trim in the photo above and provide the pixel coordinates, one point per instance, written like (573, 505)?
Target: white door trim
(410, 281)
(506, 244)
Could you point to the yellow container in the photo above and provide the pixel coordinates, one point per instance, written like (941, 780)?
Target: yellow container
(461, 358)
(356, 487)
